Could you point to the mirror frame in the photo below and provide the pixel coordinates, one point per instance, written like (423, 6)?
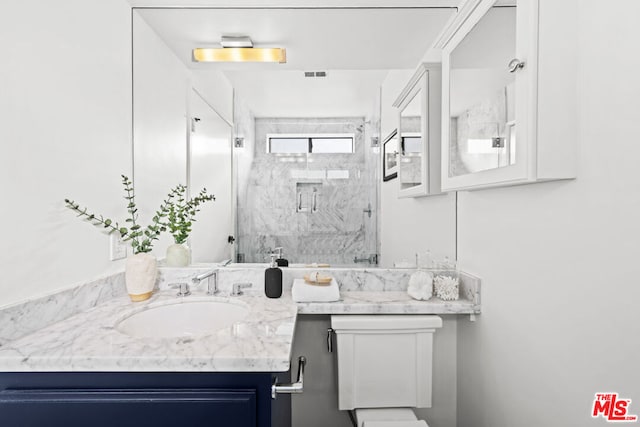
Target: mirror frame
(417, 88)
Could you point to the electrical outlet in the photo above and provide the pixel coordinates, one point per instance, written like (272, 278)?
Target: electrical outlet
(117, 248)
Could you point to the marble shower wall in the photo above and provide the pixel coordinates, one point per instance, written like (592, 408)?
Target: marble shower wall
(244, 127)
(345, 184)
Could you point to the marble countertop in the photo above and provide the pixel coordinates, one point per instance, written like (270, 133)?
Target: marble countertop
(363, 302)
(88, 341)
(75, 330)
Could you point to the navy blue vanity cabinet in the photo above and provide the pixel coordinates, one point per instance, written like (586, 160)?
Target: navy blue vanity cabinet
(132, 399)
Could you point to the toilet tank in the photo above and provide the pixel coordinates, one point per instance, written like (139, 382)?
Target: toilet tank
(384, 361)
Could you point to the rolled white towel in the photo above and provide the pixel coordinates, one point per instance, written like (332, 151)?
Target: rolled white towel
(420, 285)
(303, 292)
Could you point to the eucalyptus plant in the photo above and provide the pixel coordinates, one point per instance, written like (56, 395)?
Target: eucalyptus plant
(141, 239)
(182, 212)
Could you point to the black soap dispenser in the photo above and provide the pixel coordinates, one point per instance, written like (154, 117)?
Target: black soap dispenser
(279, 260)
(273, 279)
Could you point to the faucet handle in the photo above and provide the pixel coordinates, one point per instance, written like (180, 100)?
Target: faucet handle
(183, 289)
(237, 288)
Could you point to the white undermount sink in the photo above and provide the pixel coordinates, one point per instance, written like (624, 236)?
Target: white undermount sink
(183, 319)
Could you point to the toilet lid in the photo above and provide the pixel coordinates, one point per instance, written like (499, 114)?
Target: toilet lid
(399, 423)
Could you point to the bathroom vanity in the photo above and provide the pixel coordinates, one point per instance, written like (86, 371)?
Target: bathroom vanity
(136, 399)
(92, 365)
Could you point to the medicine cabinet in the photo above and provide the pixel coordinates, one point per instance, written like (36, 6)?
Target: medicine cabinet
(418, 136)
(508, 104)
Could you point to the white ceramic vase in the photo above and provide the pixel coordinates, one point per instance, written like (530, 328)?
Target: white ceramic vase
(141, 271)
(178, 255)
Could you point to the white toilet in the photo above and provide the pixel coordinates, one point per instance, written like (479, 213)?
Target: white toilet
(384, 367)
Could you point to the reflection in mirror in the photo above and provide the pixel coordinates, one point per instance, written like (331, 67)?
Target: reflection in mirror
(411, 143)
(307, 174)
(317, 203)
(482, 109)
(179, 138)
(210, 167)
(390, 156)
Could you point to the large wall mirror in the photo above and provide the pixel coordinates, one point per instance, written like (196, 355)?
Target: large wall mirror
(293, 157)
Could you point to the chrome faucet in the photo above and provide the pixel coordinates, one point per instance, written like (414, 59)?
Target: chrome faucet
(212, 281)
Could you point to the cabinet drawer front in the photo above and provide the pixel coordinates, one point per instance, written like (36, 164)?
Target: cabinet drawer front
(123, 408)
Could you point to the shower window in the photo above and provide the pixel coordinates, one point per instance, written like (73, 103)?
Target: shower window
(308, 144)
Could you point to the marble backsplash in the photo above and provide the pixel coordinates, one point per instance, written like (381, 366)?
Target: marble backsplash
(348, 279)
(23, 318)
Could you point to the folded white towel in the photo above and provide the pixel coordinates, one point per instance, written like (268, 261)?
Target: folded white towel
(303, 292)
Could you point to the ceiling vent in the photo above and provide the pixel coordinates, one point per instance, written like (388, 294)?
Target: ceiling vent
(315, 74)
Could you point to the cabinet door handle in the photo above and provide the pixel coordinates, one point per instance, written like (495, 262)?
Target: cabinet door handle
(296, 387)
(515, 64)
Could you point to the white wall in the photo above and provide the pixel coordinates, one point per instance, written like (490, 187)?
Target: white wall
(161, 83)
(65, 132)
(560, 291)
(410, 226)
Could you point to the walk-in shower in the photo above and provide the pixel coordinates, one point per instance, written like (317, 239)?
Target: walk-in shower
(309, 186)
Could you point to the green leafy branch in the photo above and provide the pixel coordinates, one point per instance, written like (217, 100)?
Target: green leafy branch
(182, 212)
(141, 239)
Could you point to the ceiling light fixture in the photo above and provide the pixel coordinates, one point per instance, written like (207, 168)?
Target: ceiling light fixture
(243, 41)
(239, 49)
